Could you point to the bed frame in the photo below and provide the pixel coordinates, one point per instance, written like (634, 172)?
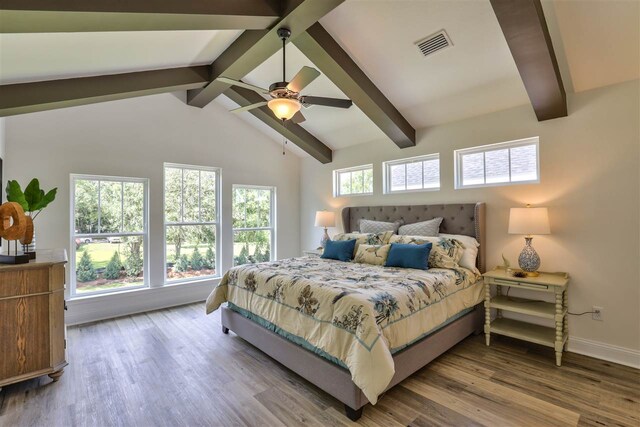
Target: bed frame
(467, 219)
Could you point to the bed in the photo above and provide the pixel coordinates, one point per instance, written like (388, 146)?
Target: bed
(356, 330)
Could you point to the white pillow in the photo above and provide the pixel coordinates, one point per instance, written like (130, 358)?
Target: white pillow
(424, 228)
(369, 226)
(470, 254)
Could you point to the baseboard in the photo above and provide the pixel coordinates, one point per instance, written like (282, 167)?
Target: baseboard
(608, 352)
(91, 309)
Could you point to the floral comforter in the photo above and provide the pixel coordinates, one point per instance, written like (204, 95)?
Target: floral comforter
(358, 314)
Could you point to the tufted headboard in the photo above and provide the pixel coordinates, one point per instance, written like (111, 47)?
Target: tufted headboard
(466, 218)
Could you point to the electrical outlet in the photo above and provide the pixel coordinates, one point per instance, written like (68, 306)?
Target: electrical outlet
(597, 313)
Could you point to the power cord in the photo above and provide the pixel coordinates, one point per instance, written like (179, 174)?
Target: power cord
(539, 300)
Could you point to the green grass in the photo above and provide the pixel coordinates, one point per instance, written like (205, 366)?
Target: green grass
(105, 286)
(102, 252)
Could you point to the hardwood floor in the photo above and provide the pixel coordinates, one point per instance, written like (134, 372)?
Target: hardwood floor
(175, 367)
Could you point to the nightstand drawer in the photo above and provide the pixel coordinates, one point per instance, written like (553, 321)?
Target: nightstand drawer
(535, 286)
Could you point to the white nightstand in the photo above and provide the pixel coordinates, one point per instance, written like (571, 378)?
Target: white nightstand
(555, 283)
(312, 252)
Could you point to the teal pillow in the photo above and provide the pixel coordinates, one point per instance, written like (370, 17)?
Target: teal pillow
(409, 256)
(341, 250)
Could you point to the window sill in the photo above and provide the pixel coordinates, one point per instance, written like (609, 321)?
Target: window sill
(417, 190)
(190, 280)
(91, 308)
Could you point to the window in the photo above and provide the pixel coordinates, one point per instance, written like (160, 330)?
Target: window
(350, 181)
(513, 162)
(413, 174)
(109, 237)
(253, 224)
(191, 222)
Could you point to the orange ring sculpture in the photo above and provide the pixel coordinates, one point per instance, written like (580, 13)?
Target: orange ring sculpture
(16, 230)
(28, 231)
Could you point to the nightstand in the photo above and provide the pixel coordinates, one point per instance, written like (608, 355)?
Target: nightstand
(554, 283)
(312, 252)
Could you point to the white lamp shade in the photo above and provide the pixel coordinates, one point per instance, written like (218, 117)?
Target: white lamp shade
(325, 219)
(529, 221)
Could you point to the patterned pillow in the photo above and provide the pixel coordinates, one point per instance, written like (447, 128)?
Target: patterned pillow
(424, 228)
(369, 226)
(445, 253)
(366, 238)
(372, 254)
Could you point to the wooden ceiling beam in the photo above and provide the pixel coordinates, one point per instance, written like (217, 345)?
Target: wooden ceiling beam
(326, 54)
(48, 95)
(46, 16)
(526, 32)
(254, 47)
(292, 132)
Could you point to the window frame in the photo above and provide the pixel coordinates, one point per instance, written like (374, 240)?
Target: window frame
(386, 173)
(216, 224)
(336, 180)
(145, 234)
(272, 219)
(457, 162)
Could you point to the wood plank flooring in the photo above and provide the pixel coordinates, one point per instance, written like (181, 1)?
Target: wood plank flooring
(175, 367)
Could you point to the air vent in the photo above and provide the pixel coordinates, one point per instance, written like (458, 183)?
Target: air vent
(434, 43)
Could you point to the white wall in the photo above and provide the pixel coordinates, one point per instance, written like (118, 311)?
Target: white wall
(133, 138)
(2, 152)
(589, 180)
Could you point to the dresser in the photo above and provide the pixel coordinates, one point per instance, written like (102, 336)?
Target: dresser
(32, 307)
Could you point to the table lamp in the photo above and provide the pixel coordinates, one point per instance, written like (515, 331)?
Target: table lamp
(529, 221)
(325, 219)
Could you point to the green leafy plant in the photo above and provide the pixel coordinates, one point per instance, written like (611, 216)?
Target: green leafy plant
(197, 262)
(113, 268)
(33, 199)
(85, 271)
(210, 259)
(182, 264)
(133, 264)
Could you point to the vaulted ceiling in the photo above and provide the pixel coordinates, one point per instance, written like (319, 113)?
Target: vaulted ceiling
(596, 44)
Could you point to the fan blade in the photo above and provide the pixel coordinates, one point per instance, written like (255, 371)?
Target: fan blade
(243, 84)
(305, 76)
(298, 118)
(327, 102)
(249, 107)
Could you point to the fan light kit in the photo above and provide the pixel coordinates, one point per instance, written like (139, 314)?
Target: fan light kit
(284, 108)
(286, 101)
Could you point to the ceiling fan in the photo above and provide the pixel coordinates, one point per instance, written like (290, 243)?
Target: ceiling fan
(286, 99)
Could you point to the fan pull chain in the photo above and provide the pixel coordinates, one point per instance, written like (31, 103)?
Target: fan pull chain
(284, 139)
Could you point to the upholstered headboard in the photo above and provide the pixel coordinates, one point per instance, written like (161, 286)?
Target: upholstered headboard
(466, 218)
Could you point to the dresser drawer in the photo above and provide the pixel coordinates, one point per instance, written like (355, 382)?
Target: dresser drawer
(15, 282)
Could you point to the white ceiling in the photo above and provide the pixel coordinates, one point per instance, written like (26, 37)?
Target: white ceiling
(601, 41)
(46, 56)
(597, 44)
(475, 76)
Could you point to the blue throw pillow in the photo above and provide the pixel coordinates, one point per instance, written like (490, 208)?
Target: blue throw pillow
(341, 250)
(409, 256)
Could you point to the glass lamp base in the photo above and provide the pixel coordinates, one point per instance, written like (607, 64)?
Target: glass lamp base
(529, 261)
(325, 239)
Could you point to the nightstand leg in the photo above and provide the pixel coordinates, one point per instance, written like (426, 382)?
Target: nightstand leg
(565, 304)
(559, 327)
(487, 313)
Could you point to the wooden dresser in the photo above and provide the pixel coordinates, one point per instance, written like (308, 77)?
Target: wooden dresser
(32, 330)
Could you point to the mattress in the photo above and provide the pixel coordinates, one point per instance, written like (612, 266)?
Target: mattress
(357, 315)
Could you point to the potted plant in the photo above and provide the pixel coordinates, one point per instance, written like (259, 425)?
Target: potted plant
(33, 200)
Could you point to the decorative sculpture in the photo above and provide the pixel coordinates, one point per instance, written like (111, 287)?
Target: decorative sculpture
(13, 226)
